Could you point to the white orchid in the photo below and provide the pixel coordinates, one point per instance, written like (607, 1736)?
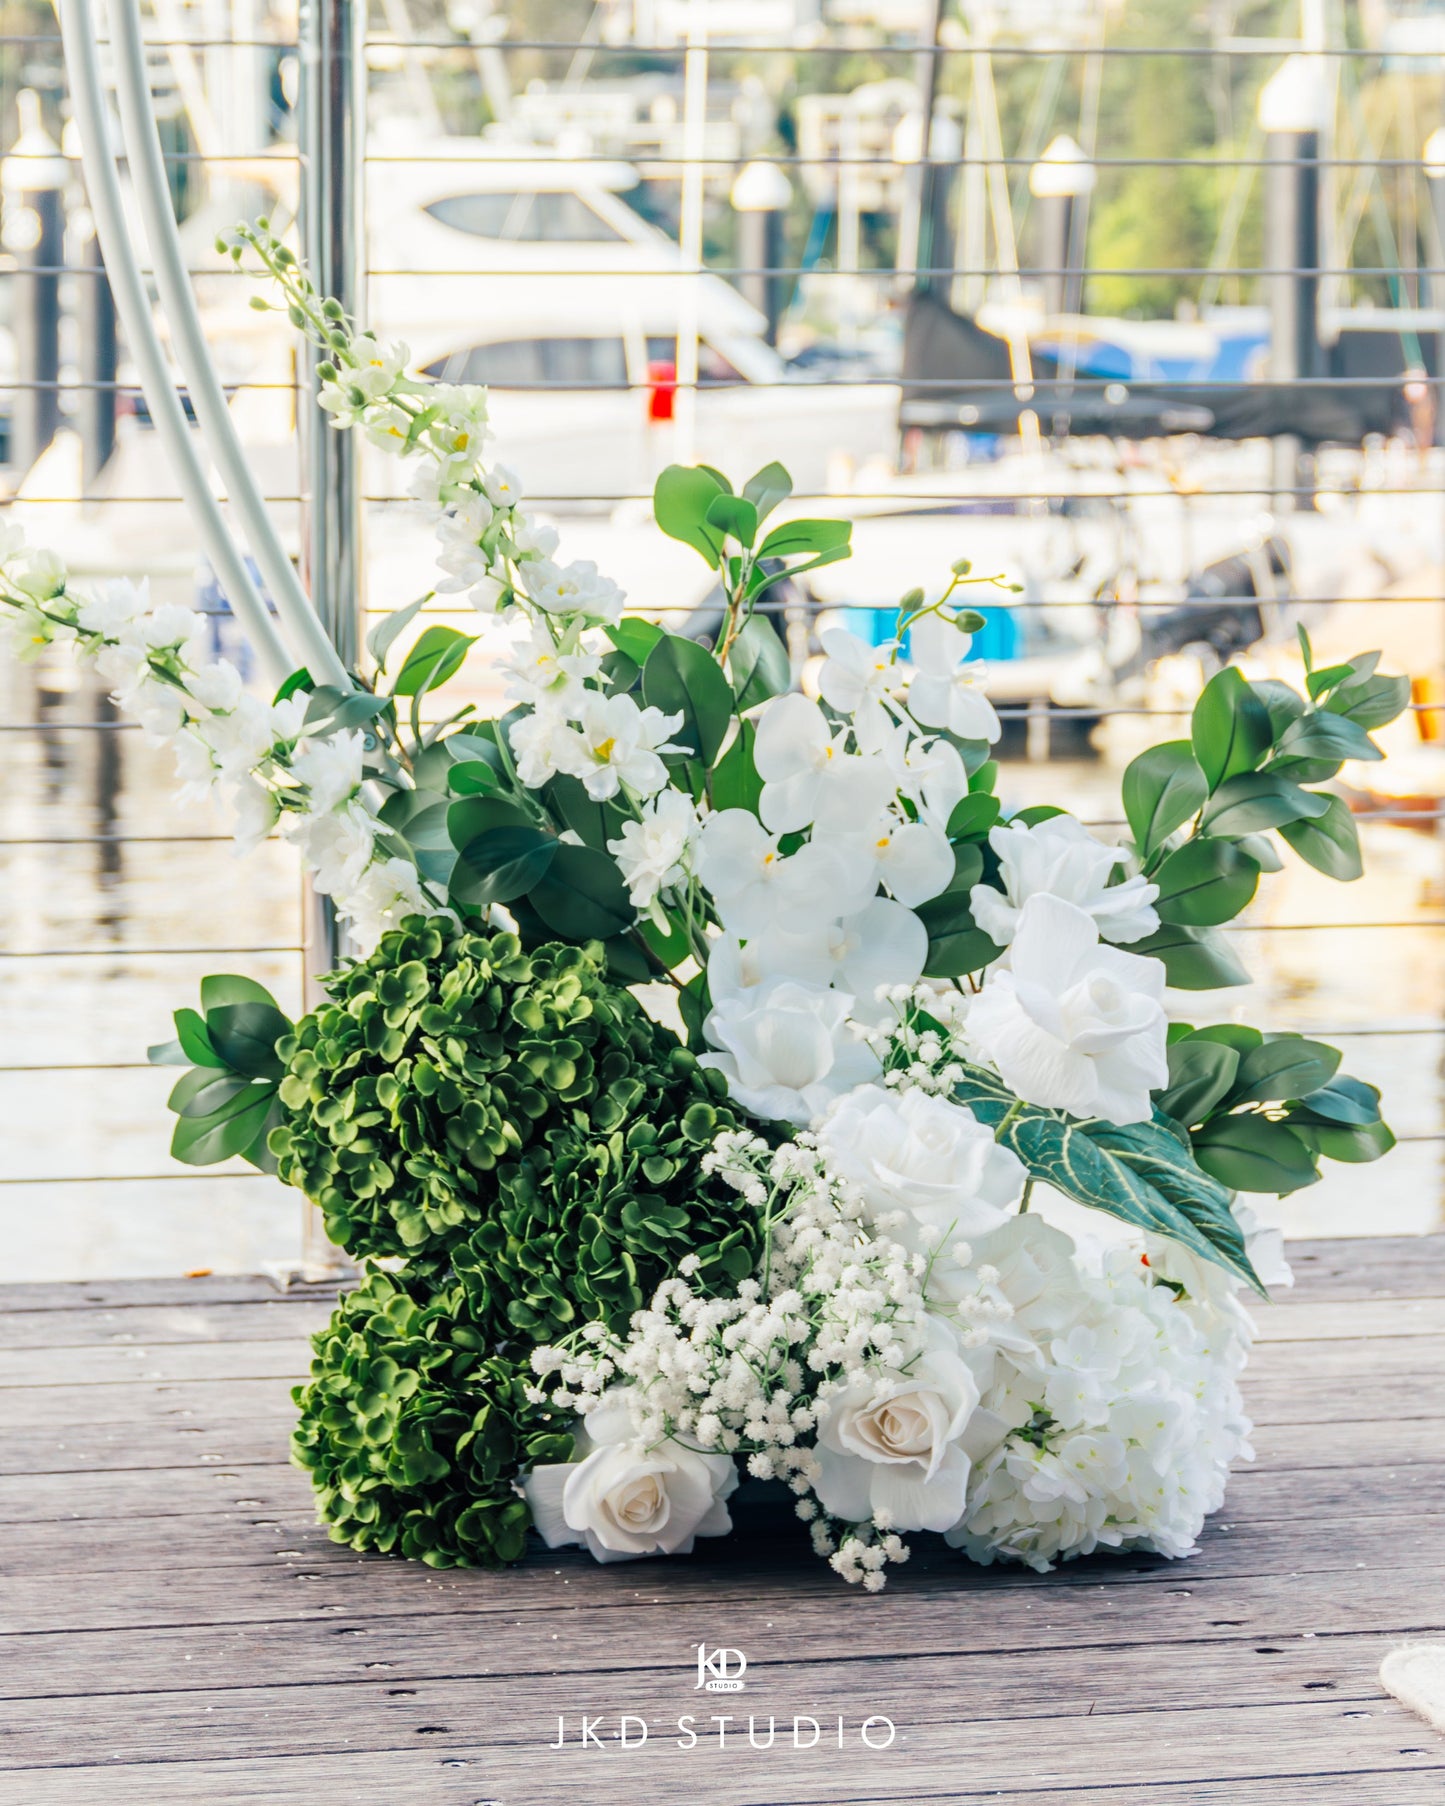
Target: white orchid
(652, 853)
(856, 677)
(809, 777)
(947, 691)
(1071, 1024)
(755, 887)
(930, 773)
(786, 1049)
(1059, 857)
(875, 948)
(911, 859)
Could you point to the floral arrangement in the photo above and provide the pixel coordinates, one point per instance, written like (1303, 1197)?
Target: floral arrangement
(717, 1054)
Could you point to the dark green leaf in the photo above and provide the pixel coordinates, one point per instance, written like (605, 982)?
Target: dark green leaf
(502, 864)
(767, 488)
(1205, 882)
(475, 777)
(245, 1036)
(593, 823)
(582, 897)
(758, 663)
(1035, 813)
(973, 816)
(1283, 704)
(1331, 844)
(955, 943)
(1372, 702)
(1194, 959)
(680, 502)
(1200, 1076)
(1251, 1153)
(1262, 851)
(228, 1132)
(1322, 735)
(1317, 682)
(1345, 1100)
(1162, 788)
(984, 777)
(1286, 1066)
(1256, 800)
(818, 537)
(635, 637)
(226, 987)
(300, 679)
(681, 677)
(204, 1092)
(436, 656)
(671, 948)
(735, 780)
(1355, 1144)
(1230, 729)
(474, 815)
(389, 629)
(193, 1039)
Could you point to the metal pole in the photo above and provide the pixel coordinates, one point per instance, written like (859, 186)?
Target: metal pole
(33, 179)
(96, 407)
(331, 119)
(931, 181)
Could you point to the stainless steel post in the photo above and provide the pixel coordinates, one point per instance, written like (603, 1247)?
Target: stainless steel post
(331, 118)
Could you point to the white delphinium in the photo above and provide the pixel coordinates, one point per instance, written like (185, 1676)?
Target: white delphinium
(1059, 857)
(652, 853)
(1070, 1024)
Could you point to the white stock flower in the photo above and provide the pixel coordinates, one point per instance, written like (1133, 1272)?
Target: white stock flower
(338, 846)
(577, 589)
(530, 538)
(946, 691)
(383, 892)
(542, 744)
(546, 674)
(1059, 857)
(890, 1446)
(40, 575)
(113, 607)
(755, 887)
(216, 686)
(856, 677)
(652, 853)
(257, 810)
(330, 769)
(808, 775)
(626, 1497)
(503, 489)
(926, 1156)
(359, 386)
(786, 1049)
(618, 743)
(1070, 1024)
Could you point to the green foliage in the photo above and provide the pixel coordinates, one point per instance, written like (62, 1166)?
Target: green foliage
(227, 1103)
(412, 1097)
(413, 1430)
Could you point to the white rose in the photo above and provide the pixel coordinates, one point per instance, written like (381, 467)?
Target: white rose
(787, 1051)
(921, 1154)
(1070, 1024)
(1062, 858)
(892, 1445)
(625, 1498)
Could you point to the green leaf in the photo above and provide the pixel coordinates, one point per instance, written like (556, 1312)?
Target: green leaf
(1251, 1153)
(973, 816)
(582, 897)
(635, 637)
(1262, 851)
(1200, 1076)
(1331, 844)
(1230, 728)
(1345, 1100)
(821, 538)
(436, 656)
(474, 815)
(1317, 682)
(300, 679)
(502, 864)
(1307, 652)
(1035, 813)
(232, 1130)
(735, 780)
(671, 948)
(1322, 735)
(193, 1039)
(593, 823)
(226, 987)
(1355, 1144)
(680, 502)
(1162, 788)
(984, 778)
(1142, 1174)
(1194, 959)
(1373, 702)
(475, 777)
(681, 677)
(1256, 800)
(202, 1092)
(1205, 882)
(956, 944)
(765, 490)
(758, 663)
(389, 629)
(1283, 704)
(245, 1036)
(1285, 1066)
(734, 515)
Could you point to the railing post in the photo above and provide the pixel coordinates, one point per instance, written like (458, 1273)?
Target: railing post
(331, 118)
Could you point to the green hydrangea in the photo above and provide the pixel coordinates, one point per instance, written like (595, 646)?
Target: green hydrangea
(448, 1056)
(413, 1431)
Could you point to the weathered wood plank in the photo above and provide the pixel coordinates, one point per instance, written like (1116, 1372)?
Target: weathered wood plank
(1401, 1266)
(486, 1762)
(278, 1318)
(132, 1364)
(1325, 1320)
(128, 1294)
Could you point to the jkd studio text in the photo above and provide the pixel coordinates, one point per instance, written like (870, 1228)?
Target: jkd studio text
(723, 1730)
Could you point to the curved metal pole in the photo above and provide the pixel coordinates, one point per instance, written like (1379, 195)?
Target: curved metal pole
(133, 305)
(148, 175)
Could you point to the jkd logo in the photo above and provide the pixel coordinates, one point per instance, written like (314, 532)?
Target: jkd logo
(722, 1671)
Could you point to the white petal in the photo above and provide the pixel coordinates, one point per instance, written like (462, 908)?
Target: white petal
(792, 736)
(919, 863)
(543, 1489)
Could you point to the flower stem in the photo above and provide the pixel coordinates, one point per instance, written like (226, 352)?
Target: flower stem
(1013, 1111)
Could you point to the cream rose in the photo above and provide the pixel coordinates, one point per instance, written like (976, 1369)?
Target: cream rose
(891, 1445)
(625, 1498)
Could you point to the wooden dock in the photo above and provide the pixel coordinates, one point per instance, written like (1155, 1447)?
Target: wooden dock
(173, 1618)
